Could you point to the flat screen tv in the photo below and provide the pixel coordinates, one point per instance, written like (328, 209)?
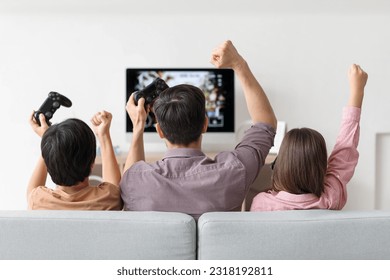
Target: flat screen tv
(216, 84)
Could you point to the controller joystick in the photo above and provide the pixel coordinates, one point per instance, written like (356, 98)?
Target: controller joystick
(151, 92)
(50, 105)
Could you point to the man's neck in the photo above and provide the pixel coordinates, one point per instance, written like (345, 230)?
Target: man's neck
(194, 145)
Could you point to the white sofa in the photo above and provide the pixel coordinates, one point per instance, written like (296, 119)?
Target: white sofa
(295, 235)
(111, 235)
(95, 235)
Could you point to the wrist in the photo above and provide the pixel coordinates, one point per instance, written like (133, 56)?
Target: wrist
(138, 136)
(104, 137)
(240, 65)
(356, 98)
(105, 141)
(138, 129)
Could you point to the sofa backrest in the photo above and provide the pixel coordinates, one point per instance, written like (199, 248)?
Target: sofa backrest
(111, 235)
(298, 235)
(94, 235)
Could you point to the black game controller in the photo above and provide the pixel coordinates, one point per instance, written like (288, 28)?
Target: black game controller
(51, 104)
(151, 92)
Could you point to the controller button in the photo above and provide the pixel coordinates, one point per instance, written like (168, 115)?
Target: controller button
(56, 104)
(48, 114)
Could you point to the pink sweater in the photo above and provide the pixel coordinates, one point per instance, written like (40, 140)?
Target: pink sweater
(341, 166)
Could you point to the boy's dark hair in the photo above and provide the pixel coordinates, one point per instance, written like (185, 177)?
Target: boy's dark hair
(302, 163)
(180, 112)
(69, 151)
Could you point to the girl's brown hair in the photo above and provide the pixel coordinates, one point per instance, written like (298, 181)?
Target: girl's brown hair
(301, 163)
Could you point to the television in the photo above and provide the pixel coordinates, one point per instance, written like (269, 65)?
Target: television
(216, 84)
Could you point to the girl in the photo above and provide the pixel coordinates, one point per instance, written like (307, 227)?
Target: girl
(303, 178)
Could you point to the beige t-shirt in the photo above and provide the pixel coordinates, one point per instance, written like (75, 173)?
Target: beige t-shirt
(105, 196)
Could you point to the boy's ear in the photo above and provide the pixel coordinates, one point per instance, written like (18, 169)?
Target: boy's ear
(159, 131)
(205, 125)
(92, 166)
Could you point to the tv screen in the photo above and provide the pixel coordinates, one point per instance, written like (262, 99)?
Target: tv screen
(216, 84)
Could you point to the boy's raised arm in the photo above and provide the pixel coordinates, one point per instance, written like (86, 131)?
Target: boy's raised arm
(39, 175)
(101, 122)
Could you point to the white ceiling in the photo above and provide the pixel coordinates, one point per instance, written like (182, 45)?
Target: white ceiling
(194, 6)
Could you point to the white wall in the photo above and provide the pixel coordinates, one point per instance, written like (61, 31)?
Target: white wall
(299, 50)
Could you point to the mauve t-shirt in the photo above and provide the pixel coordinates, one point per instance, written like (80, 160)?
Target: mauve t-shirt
(188, 181)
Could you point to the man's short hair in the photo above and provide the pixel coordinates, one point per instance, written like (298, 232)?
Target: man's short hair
(69, 150)
(180, 112)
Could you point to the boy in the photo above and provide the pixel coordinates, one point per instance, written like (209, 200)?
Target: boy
(68, 155)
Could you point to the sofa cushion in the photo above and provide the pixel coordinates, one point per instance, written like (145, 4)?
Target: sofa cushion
(96, 235)
(298, 235)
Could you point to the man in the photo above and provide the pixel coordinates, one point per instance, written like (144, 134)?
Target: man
(186, 180)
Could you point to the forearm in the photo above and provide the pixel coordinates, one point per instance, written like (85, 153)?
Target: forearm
(110, 168)
(357, 82)
(344, 157)
(38, 178)
(258, 104)
(137, 151)
(356, 98)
